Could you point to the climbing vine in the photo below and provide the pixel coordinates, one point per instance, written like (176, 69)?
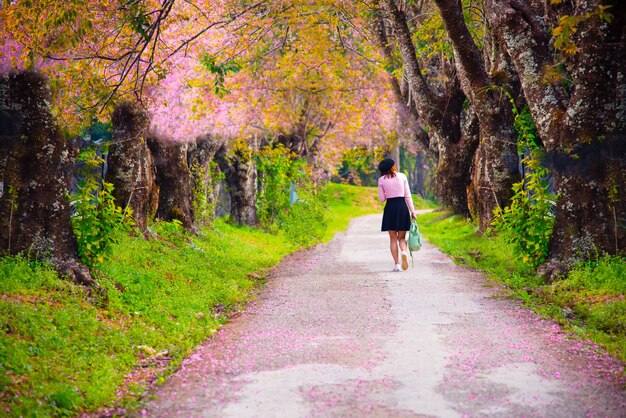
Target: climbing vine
(206, 179)
(278, 169)
(528, 221)
(567, 27)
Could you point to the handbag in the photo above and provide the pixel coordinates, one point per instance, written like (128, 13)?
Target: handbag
(415, 239)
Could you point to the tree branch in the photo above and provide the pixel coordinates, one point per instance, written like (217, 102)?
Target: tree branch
(417, 83)
(466, 51)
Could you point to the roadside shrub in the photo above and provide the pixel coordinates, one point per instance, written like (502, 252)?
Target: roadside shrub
(302, 218)
(278, 170)
(528, 221)
(96, 218)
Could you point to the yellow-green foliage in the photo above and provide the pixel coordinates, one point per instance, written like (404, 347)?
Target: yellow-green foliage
(528, 220)
(96, 217)
(564, 32)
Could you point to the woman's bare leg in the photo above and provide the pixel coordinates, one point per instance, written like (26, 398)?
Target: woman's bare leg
(403, 245)
(393, 245)
(402, 240)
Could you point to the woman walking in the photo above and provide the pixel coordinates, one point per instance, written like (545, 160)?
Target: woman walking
(393, 188)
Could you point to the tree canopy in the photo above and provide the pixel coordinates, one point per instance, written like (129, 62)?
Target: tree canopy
(322, 76)
(232, 69)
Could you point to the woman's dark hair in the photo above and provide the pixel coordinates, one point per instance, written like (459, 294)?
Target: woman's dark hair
(385, 167)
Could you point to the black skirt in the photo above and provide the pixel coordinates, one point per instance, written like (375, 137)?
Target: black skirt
(396, 216)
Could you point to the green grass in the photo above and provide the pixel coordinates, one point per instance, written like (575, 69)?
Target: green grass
(63, 351)
(59, 353)
(346, 202)
(458, 238)
(594, 293)
(421, 203)
(589, 301)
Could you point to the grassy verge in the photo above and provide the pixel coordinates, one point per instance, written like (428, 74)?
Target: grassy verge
(590, 301)
(63, 351)
(346, 202)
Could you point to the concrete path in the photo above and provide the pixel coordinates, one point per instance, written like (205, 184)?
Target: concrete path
(336, 334)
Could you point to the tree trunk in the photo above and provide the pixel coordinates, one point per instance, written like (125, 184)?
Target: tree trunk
(496, 168)
(497, 161)
(453, 171)
(471, 130)
(204, 179)
(440, 110)
(429, 103)
(402, 96)
(584, 129)
(591, 208)
(130, 165)
(174, 180)
(240, 174)
(36, 164)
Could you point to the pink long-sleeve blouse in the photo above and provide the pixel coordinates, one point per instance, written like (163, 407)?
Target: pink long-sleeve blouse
(397, 186)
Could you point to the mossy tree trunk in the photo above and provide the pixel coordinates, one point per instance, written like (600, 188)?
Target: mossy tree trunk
(578, 108)
(496, 163)
(36, 163)
(200, 156)
(241, 178)
(173, 178)
(130, 166)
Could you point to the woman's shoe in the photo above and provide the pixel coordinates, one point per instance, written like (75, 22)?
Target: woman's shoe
(396, 267)
(405, 260)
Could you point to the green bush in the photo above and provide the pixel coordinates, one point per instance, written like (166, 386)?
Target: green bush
(278, 169)
(96, 217)
(528, 221)
(301, 221)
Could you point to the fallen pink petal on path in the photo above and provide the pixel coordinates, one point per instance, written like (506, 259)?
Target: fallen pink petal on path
(336, 333)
